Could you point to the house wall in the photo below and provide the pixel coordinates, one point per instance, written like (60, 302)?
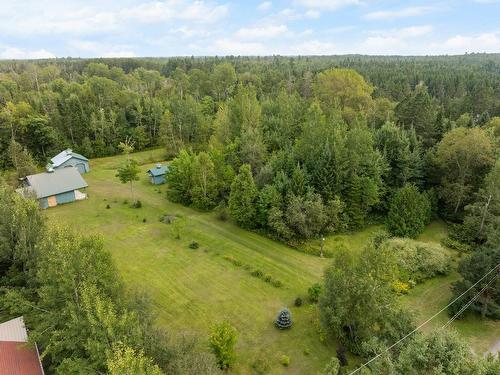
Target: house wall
(81, 165)
(43, 202)
(66, 197)
(157, 180)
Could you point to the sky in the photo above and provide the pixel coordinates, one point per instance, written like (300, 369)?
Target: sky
(127, 28)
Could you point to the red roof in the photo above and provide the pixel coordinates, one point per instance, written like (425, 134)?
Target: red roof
(16, 358)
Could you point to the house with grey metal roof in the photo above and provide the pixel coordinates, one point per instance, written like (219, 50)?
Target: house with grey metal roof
(158, 174)
(68, 158)
(54, 187)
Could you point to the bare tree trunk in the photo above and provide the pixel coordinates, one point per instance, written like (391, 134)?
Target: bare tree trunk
(485, 211)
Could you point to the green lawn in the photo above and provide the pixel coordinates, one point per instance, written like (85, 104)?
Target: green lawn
(192, 289)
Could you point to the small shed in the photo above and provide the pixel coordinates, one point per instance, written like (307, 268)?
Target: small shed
(17, 357)
(158, 174)
(68, 158)
(54, 187)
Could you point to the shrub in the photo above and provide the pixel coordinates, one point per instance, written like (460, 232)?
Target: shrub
(232, 260)
(456, 245)
(194, 245)
(108, 206)
(222, 340)
(261, 366)
(247, 267)
(268, 278)
(285, 360)
(314, 292)
(276, 283)
(418, 261)
(400, 287)
(341, 356)
(409, 212)
(167, 219)
(284, 319)
(298, 302)
(137, 204)
(222, 213)
(257, 273)
(144, 220)
(332, 367)
(307, 351)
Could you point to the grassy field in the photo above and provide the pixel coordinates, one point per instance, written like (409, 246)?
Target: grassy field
(193, 289)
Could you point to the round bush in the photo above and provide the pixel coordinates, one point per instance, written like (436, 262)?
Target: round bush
(194, 245)
(285, 360)
(284, 319)
(298, 301)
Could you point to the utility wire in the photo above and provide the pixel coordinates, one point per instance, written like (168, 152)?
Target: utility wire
(427, 321)
(465, 307)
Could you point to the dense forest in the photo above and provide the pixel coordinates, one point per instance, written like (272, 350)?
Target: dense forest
(294, 148)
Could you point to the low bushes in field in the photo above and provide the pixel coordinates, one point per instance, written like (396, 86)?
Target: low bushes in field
(254, 272)
(261, 366)
(285, 360)
(194, 245)
(257, 273)
(167, 219)
(314, 292)
(417, 261)
(232, 260)
(298, 302)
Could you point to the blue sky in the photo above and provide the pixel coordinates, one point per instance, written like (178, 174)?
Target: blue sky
(119, 28)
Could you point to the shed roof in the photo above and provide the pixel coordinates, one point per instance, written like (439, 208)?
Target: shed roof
(64, 156)
(13, 330)
(59, 181)
(159, 170)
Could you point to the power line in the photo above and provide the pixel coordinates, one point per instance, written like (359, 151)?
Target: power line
(424, 323)
(469, 303)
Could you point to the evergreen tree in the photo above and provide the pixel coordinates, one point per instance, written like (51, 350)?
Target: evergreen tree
(243, 198)
(284, 319)
(21, 159)
(409, 212)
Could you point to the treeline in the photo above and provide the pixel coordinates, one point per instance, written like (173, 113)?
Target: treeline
(92, 105)
(75, 305)
(300, 168)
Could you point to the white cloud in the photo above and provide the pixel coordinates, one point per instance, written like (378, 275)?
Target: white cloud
(266, 5)
(399, 13)
(311, 13)
(458, 44)
(228, 46)
(312, 47)
(89, 18)
(87, 48)
(18, 53)
(405, 32)
(262, 32)
(327, 4)
(382, 45)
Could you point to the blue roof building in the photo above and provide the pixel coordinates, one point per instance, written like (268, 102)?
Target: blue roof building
(68, 158)
(158, 174)
(54, 187)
